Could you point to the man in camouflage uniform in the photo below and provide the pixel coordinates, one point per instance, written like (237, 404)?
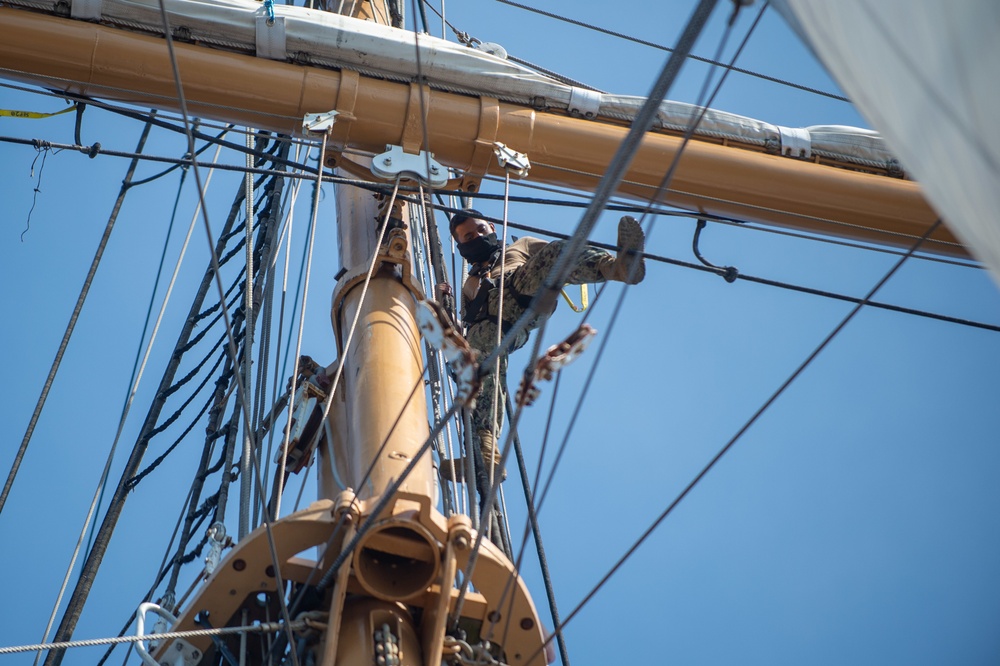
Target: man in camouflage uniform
(526, 264)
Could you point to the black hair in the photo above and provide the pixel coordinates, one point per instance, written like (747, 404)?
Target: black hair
(462, 216)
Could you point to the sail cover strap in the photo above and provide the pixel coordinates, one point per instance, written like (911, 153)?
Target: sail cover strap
(583, 102)
(270, 37)
(795, 141)
(88, 10)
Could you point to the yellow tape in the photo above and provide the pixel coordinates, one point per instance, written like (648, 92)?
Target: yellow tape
(13, 113)
(584, 299)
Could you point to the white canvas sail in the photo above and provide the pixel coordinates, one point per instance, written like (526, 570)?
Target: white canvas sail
(924, 74)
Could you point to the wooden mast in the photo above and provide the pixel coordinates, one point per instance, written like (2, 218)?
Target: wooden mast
(395, 551)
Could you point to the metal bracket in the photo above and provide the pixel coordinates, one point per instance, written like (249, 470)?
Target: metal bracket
(184, 654)
(217, 540)
(319, 123)
(395, 248)
(511, 159)
(306, 422)
(437, 329)
(420, 166)
(557, 357)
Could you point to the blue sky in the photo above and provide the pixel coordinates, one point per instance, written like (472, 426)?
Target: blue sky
(855, 522)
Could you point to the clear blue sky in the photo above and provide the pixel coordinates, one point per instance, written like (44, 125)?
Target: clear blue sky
(855, 522)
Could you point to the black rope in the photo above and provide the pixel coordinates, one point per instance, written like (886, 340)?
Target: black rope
(708, 61)
(769, 282)
(609, 181)
(175, 166)
(173, 417)
(536, 532)
(746, 426)
(85, 289)
(96, 555)
(134, 481)
(385, 189)
(197, 368)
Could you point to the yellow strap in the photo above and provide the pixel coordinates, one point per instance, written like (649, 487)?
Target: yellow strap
(13, 113)
(584, 299)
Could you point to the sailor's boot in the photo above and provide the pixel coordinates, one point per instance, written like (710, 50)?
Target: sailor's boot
(629, 266)
(491, 455)
(454, 470)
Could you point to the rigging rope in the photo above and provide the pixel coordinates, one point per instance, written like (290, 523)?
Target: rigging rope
(67, 334)
(619, 206)
(271, 627)
(746, 426)
(249, 447)
(136, 369)
(101, 541)
(496, 368)
(557, 276)
(280, 478)
(241, 389)
(289, 210)
(605, 339)
(51, 377)
(615, 172)
(708, 61)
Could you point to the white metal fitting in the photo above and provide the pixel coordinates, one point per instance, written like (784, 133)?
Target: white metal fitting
(319, 123)
(216, 540)
(511, 159)
(421, 166)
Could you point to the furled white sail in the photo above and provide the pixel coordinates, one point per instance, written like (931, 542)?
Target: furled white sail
(924, 73)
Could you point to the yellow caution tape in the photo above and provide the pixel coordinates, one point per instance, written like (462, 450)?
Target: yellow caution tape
(584, 299)
(13, 113)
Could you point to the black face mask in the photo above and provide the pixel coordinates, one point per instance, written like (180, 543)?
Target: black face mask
(479, 249)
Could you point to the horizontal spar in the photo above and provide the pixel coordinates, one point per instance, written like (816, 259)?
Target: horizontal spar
(714, 179)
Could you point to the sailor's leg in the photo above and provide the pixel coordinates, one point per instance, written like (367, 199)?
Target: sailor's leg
(586, 269)
(483, 338)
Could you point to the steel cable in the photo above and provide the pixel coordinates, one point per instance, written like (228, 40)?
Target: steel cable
(746, 426)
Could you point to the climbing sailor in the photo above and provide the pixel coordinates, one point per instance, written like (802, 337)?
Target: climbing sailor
(525, 265)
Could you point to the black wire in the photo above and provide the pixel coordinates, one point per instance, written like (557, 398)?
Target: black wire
(714, 63)
(134, 481)
(781, 284)
(175, 166)
(309, 173)
(746, 426)
(536, 531)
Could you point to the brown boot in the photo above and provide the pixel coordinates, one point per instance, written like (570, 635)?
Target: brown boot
(629, 266)
(491, 455)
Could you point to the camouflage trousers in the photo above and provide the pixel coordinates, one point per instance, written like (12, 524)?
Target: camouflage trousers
(524, 280)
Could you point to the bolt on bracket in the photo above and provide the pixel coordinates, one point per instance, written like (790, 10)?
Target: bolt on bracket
(420, 166)
(319, 123)
(511, 159)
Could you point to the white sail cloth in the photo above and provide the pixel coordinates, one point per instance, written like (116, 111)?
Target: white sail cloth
(924, 73)
(298, 34)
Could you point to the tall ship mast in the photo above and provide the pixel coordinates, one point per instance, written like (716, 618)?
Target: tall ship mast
(395, 561)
